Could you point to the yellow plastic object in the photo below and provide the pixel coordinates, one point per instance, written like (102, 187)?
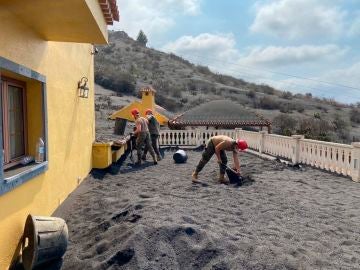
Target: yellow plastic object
(101, 155)
(116, 154)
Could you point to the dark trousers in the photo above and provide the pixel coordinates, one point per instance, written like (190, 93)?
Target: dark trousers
(143, 138)
(206, 156)
(155, 145)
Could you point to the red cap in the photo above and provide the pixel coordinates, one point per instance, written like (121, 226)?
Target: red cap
(241, 144)
(148, 111)
(135, 111)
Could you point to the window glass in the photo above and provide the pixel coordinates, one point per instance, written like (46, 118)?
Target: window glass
(16, 122)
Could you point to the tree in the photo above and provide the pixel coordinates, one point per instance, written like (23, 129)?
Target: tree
(355, 115)
(285, 124)
(141, 38)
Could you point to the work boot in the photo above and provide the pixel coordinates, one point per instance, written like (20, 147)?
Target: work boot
(194, 176)
(222, 179)
(138, 163)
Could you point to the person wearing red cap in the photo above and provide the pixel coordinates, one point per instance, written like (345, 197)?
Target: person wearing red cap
(154, 129)
(218, 145)
(142, 135)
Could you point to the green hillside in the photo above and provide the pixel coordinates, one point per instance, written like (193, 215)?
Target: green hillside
(124, 66)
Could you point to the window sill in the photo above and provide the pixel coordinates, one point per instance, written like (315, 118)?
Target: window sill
(14, 178)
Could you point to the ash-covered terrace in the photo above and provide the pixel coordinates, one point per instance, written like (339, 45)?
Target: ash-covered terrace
(153, 217)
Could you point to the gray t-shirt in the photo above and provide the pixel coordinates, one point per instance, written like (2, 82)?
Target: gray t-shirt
(154, 126)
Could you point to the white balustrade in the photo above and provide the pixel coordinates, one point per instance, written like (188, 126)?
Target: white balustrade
(252, 138)
(280, 146)
(340, 158)
(333, 157)
(179, 137)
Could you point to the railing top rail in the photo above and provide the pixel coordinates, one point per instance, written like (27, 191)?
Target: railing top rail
(279, 136)
(327, 143)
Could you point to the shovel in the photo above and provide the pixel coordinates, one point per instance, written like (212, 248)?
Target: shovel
(234, 177)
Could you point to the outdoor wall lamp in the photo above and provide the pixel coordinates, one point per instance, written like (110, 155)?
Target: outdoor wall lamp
(83, 88)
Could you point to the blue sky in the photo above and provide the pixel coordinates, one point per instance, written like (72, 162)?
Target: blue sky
(294, 45)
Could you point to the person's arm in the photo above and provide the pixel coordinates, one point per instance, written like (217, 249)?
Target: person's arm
(218, 148)
(236, 161)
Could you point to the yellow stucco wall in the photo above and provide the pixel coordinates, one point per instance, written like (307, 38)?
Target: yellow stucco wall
(71, 125)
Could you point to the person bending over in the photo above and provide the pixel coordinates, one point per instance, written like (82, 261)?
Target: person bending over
(142, 135)
(218, 145)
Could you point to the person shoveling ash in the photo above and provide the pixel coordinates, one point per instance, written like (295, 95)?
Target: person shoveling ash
(218, 145)
(142, 136)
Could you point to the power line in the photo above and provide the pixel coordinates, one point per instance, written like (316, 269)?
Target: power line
(278, 73)
(240, 73)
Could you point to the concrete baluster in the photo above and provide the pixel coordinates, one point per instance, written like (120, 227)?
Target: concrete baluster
(296, 148)
(355, 162)
(262, 141)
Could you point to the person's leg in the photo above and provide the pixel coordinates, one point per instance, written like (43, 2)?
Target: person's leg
(143, 157)
(224, 161)
(139, 144)
(206, 156)
(155, 145)
(149, 147)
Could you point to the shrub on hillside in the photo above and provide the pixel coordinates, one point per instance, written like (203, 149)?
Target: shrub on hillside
(300, 108)
(122, 82)
(162, 86)
(267, 89)
(286, 107)
(355, 115)
(287, 95)
(316, 129)
(204, 70)
(180, 59)
(168, 103)
(107, 49)
(251, 94)
(176, 92)
(342, 128)
(284, 124)
(268, 103)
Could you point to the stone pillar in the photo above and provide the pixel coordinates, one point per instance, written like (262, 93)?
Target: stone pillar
(262, 141)
(296, 148)
(355, 162)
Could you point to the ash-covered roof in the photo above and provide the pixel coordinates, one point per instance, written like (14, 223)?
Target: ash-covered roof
(222, 113)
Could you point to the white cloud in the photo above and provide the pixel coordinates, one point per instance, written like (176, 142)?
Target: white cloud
(211, 45)
(339, 84)
(152, 16)
(346, 76)
(355, 27)
(222, 48)
(191, 7)
(296, 19)
(219, 52)
(285, 56)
